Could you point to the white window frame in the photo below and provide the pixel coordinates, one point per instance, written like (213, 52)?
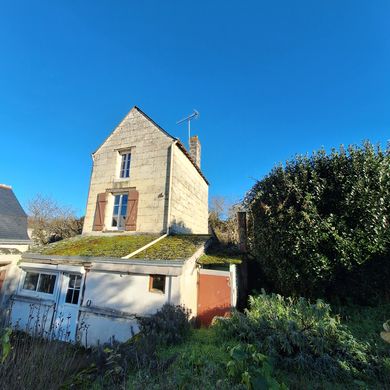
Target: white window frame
(125, 164)
(67, 288)
(121, 194)
(38, 294)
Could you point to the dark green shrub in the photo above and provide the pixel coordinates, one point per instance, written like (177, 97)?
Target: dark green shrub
(251, 368)
(300, 337)
(319, 225)
(167, 326)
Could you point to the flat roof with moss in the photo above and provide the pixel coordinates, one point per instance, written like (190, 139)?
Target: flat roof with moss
(173, 247)
(169, 248)
(220, 255)
(97, 246)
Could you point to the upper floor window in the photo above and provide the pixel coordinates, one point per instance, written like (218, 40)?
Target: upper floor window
(125, 165)
(39, 282)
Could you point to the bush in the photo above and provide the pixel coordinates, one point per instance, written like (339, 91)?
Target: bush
(167, 326)
(112, 365)
(300, 337)
(252, 369)
(319, 226)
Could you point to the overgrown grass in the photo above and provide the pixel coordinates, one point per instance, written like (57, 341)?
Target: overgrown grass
(35, 363)
(117, 246)
(198, 363)
(174, 247)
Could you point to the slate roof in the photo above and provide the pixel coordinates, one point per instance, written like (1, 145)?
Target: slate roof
(13, 219)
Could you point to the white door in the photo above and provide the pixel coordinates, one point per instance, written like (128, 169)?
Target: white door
(68, 307)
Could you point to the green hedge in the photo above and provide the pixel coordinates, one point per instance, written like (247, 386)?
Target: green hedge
(319, 226)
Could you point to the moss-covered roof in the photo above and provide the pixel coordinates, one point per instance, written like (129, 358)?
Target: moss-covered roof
(173, 247)
(110, 246)
(220, 254)
(169, 248)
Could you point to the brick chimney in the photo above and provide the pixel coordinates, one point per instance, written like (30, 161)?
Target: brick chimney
(195, 149)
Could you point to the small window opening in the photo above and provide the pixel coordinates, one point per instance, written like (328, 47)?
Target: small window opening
(157, 283)
(125, 165)
(74, 286)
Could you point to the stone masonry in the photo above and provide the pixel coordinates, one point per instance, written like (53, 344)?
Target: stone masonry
(151, 149)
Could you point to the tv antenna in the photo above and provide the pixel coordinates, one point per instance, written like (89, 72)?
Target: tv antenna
(189, 118)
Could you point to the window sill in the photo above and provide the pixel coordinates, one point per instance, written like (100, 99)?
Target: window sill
(154, 291)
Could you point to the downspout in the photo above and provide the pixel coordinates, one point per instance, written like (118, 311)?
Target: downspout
(168, 227)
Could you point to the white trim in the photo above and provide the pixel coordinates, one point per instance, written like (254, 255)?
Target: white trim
(204, 271)
(34, 293)
(55, 268)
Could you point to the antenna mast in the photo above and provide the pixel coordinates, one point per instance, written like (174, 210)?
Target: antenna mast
(194, 115)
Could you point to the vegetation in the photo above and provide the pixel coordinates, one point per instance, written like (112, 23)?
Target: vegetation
(52, 222)
(319, 226)
(117, 246)
(174, 247)
(219, 253)
(237, 353)
(34, 363)
(223, 219)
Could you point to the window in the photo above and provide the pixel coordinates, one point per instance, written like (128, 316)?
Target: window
(125, 165)
(73, 293)
(35, 281)
(120, 211)
(157, 283)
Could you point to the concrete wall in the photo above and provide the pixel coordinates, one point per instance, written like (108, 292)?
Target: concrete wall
(189, 204)
(128, 293)
(10, 254)
(119, 295)
(148, 171)
(189, 286)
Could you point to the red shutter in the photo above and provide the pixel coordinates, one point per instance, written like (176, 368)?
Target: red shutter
(98, 221)
(132, 210)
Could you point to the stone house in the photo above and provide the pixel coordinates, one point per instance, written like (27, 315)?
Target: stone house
(145, 231)
(144, 180)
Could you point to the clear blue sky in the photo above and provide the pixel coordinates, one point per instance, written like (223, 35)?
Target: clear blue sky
(270, 79)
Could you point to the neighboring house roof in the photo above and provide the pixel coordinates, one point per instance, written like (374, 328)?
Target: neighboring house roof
(178, 142)
(13, 219)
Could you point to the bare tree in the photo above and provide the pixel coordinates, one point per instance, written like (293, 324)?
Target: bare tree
(223, 218)
(50, 221)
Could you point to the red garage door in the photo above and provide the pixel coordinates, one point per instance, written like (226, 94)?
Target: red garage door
(214, 295)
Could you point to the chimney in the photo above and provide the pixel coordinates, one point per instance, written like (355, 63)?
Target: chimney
(195, 149)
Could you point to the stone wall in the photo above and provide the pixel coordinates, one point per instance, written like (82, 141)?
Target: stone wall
(189, 204)
(148, 171)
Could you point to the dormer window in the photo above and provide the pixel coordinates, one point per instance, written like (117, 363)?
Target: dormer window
(125, 165)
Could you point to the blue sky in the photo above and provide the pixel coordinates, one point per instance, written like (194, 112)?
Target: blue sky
(270, 79)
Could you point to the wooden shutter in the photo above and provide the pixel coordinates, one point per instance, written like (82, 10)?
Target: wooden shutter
(98, 221)
(132, 210)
